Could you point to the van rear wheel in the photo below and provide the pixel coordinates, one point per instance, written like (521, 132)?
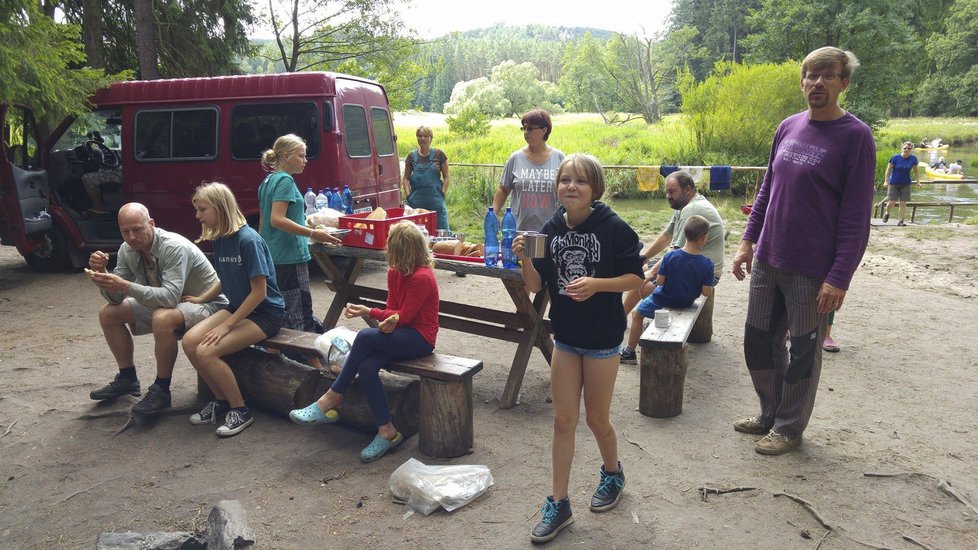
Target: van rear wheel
(54, 255)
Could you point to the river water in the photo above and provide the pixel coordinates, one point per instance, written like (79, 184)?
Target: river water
(930, 192)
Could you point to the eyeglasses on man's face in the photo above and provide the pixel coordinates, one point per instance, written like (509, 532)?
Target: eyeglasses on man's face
(826, 77)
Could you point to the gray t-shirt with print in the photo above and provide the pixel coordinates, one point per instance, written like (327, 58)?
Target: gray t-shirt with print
(533, 188)
(699, 206)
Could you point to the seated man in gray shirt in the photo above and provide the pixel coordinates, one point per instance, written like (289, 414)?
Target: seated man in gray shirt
(687, 202)
(154, 270)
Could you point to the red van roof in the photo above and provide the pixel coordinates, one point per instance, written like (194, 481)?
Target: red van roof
(222, 87)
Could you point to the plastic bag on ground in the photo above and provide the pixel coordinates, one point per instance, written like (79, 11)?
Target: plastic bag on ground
(424, 488)
(334, 345)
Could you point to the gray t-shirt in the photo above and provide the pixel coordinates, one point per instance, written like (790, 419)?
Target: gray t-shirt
(699, 206)
(178, 268)
(533, 188)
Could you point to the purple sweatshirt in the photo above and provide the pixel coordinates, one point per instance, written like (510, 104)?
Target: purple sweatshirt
(811, 215)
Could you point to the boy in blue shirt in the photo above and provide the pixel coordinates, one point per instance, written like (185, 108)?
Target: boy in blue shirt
(681, 276)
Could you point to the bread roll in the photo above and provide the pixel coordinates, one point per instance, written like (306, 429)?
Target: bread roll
(445, 247)
(378, 214)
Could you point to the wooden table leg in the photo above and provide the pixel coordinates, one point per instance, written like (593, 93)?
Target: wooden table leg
(530, 338)
(341, 279)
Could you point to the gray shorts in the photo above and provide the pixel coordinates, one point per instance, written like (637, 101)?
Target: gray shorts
(192, 314)
(898, 192)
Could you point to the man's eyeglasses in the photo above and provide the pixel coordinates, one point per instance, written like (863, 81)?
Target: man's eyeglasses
(826, 77)
(530, 128)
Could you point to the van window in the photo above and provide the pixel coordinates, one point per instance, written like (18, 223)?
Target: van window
(254, 128)
(382, 131)
(20, 139)
(183, 134)
(104, 124)
(355, 130)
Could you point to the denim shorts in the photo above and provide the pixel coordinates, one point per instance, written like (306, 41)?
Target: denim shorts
(584, 352)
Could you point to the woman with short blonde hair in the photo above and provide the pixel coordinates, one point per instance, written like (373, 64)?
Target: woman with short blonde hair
(426, 177)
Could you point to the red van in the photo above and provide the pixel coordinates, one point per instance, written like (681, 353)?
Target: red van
(154, 141)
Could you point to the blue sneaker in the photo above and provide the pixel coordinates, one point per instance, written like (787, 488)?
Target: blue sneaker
(555, 515)
(609, 490)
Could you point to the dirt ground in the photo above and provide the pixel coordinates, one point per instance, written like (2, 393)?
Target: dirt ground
(899, 398)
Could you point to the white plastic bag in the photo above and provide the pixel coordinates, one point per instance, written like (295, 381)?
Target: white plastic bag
(334, 345)
(424, 488)
(325, 217)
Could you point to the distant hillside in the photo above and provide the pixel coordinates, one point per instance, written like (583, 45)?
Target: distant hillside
(467, 55)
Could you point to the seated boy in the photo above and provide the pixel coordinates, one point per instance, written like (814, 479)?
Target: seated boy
(681, 276)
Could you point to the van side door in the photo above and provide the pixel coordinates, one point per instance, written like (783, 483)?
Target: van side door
(24, 189)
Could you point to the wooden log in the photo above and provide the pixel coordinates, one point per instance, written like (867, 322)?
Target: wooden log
(663, 375)
(278, 384)
(446, 426)
(702, 331)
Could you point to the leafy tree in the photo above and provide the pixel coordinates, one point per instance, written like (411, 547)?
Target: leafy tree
(512, 89)
(872, 29)
(950, 90)
(469, 121)
(45, 79)
(584, 86)
(721, 26)
(735, 111)
(193, 37)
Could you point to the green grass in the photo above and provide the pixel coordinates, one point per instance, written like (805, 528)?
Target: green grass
(634, 144)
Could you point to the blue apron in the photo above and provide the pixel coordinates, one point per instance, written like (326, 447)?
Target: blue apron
(426, 188)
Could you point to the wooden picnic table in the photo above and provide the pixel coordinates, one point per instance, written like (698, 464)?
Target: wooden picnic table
(525, 325)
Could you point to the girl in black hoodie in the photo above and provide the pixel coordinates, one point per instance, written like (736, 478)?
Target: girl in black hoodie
(592, 257)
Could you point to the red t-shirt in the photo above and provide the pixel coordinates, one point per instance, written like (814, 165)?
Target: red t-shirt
(415, 299)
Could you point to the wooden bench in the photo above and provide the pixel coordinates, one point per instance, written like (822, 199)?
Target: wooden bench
(913, 205)
(445, 426)
(663, 360)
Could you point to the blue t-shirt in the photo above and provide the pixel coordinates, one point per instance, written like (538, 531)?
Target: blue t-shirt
(686, 274)
(238, 258)
(901, 169)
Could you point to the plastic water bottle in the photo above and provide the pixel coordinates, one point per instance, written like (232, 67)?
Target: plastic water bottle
(310, 198)
(321, 200)
(491, 228)
(336, 199)
(347, 200)
(509, 233)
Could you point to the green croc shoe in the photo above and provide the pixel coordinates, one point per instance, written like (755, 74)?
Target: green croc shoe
(379, 447)
(313, 415)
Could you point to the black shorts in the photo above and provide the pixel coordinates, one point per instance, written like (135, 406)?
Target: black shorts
(268, 324)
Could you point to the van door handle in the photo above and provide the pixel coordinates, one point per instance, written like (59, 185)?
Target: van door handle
(380, 169)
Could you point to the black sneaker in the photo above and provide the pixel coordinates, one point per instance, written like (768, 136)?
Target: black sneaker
(628, 356)
(606, 496)
(235, 421)
(155, 401)
(118, 387)
(210, 414)
(555, 516)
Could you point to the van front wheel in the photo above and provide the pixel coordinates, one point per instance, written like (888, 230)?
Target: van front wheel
(54, 255)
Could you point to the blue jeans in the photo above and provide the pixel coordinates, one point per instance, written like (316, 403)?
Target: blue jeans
(371, 351)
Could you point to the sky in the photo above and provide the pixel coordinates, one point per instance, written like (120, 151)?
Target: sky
(434, 18)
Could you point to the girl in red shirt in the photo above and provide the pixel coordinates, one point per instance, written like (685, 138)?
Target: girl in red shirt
(407, 330)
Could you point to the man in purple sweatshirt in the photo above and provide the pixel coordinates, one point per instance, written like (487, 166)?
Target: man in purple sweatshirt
(806, 235)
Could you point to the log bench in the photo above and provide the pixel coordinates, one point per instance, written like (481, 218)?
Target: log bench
(439, 409)
(663, 359)
(913, 205)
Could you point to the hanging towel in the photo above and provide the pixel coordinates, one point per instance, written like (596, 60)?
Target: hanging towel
(667, 169)
(648, 178)
(719, 178)
(700, 175)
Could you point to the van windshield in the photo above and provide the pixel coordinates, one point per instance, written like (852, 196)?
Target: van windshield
(104, 125)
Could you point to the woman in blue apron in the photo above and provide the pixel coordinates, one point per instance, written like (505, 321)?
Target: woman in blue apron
(426, 177)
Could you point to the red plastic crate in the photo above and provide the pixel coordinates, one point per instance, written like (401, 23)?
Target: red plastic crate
(373, 233)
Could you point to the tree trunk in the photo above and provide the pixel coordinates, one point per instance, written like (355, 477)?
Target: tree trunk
(146, 47)
(92, 33)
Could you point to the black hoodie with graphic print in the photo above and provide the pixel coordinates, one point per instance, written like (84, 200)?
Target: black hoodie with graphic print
(603, 246)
